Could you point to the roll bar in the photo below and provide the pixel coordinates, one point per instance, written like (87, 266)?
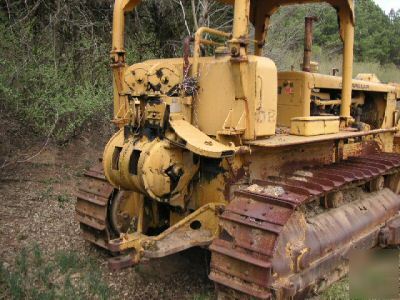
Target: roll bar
(259, 13)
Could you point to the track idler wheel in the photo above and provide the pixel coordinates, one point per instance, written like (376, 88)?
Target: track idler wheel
(121, 213)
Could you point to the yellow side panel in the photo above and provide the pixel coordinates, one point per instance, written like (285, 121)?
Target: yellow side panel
(266, 95)
(217, 107)
(293, 96)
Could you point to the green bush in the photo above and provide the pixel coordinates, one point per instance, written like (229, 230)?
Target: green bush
(55, 76)
(51, 92)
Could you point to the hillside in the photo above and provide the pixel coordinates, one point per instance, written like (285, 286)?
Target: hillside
(55, 76)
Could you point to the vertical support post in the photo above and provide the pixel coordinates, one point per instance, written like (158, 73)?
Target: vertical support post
(348, 55)
(240, 67)
(241, 20)
(118, 57)
(118, 27)
(240, 28)
(261, 22)
(121, 105)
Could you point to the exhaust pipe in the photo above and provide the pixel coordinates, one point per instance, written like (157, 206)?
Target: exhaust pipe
(308, 42)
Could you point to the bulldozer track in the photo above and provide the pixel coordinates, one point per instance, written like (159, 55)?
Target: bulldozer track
(92, 207)
(241, 261)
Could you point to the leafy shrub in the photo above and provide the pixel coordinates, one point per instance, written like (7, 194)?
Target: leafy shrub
(52, 82)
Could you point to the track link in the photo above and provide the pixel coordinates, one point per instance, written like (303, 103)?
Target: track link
(92, 207)
(241, 263)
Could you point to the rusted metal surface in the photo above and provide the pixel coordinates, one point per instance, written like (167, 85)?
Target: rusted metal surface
(91, 207)
(396, 144)
(308, 42)
(265, 230)
(178, 241)
(121, 262)
(281, 140)
(186, 55)
(390, 234)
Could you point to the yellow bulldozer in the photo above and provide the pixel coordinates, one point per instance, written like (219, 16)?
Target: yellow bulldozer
(281, 175)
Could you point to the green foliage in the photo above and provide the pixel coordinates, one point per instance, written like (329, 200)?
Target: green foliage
(63, 198)
(64, 276)
(377, 35)
(51, 85)
(55, 68)
(206, 296)
(338, 291)
(395, 40)
(67, 261)
(373, 33)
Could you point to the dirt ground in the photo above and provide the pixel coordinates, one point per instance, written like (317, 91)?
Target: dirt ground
(37, 205)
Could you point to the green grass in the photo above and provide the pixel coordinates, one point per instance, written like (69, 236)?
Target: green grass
(66, 275)
(50, 180)
(338, 291)
(46, 193)
(63, 198)
(67, 261)
(202, 297)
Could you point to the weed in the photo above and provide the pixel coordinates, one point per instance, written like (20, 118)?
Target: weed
(37, 256)
(206, 296)
(97, 287)
(43, 275)
(69, 289)
(51, 180)
(63, 198)
(67, 261)
(21, 262)
(46, 193)
(37, 277)
(15, 282)
(338, 291)
(80, 173)
(43, 295)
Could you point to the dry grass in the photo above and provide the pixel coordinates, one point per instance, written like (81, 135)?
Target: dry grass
(386, 73)
(327, 61)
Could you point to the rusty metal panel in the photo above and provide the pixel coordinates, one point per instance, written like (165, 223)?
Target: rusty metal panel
(91, 207)
(298, 243)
